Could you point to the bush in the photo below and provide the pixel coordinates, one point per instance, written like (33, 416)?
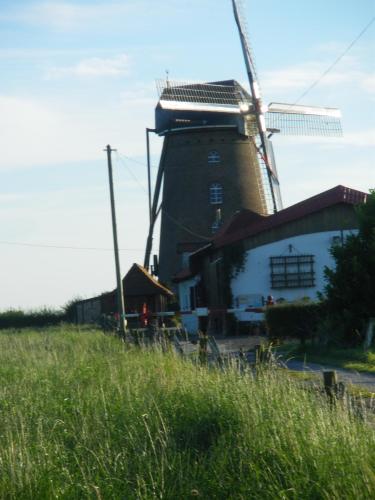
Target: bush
(350, 292)
(297, 320)
(14, 318)
(70, 310)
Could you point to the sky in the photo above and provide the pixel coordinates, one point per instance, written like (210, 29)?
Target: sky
(78, 75)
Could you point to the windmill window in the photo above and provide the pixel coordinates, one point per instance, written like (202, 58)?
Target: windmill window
(292, 271)
(215, 226)
(216, 194)
(213, 158)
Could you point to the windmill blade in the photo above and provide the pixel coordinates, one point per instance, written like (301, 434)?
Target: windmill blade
(255, 94)
(239, 13)
(292, 119)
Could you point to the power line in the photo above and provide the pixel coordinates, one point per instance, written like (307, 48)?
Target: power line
(175, 221)
(134, 160)
(185, 228)
(118, 157)
(65, 247)
(314, 84)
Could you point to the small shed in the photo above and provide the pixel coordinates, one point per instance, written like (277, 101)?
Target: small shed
(140, 288)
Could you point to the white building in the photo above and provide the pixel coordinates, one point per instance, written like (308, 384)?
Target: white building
(283, 256)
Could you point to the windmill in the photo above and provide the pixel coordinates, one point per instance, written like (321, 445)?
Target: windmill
(217, 156)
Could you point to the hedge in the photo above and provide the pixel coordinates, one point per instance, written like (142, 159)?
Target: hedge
(20, 319)
(296, 320)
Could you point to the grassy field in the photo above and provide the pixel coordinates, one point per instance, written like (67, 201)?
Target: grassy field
(82, 416)
(351, 359)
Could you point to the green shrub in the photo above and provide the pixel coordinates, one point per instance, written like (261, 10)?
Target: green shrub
(350, 291)
(298, 320)
(14, 318)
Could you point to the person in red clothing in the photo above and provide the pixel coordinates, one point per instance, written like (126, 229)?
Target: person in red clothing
(270, 301)
(145, 315)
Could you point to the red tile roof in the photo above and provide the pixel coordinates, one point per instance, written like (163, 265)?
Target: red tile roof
(247, 223)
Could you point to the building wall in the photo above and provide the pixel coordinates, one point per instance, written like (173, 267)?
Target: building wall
(187, 180)
(89, 311)
(337, 218)
(255, 279)
(188, 318)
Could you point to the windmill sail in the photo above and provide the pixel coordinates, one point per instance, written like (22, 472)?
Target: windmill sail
(257, 103)
(303, 120)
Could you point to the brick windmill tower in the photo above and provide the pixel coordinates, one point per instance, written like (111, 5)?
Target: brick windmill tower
(217, 157)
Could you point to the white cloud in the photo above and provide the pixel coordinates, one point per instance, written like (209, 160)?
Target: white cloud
(43, 53)
(300, 77)
(67, 16)
(368, 83)
(32, 132)
(361, 138)
(93, 67)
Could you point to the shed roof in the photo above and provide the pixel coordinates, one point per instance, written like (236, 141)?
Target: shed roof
(138, 281)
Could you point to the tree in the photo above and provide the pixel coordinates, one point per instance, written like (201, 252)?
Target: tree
(350, 290)
(70, 310)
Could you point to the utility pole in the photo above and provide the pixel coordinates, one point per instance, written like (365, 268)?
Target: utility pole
(120, 293)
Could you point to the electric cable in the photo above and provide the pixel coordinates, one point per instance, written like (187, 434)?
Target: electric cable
(175, 221)
(65, 247)
(315, 83)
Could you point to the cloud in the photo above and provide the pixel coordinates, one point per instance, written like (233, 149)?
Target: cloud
(301, 76)
(361, 138)
(33, 132)
(43, 53)
(297, 78)
(93, 67)
(65, 16)
(368, 83)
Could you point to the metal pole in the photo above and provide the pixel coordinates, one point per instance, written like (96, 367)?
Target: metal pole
(148, 130)
(154, 207)
(120, 293)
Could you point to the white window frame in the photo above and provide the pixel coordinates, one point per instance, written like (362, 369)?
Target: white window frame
(213, 157)
(215, 226)
(216, 194)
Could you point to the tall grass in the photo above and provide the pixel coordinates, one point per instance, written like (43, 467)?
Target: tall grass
(82, 416)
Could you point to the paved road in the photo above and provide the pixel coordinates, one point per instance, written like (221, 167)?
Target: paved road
(365, 380)
(233, 344)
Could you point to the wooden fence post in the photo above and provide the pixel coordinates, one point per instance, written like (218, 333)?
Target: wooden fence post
(369, 333)
(330, 381)
(332, 387)
(203, 353)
